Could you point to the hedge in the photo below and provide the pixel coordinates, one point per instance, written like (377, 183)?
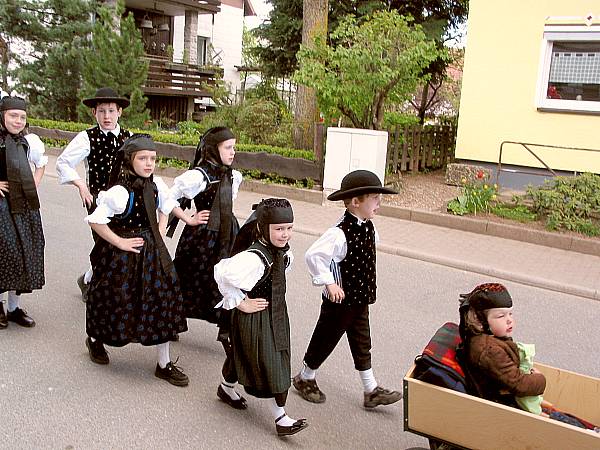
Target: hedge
(175, 138)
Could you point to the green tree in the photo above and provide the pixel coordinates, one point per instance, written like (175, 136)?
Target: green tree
(115, 59)
(47, 63)
(386, 46)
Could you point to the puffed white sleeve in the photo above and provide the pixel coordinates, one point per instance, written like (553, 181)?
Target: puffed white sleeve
(188, 185)
(110, 203)
(164, 204)
(235, 185)
(36, 150)
(235, 275)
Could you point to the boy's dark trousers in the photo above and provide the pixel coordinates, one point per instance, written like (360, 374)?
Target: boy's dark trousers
(335, 320)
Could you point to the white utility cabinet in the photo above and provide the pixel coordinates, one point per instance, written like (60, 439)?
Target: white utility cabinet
(350, 149)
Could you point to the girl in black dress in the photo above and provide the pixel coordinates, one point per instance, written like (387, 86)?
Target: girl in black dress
(134, 293)
(21, 235)
(253, 286)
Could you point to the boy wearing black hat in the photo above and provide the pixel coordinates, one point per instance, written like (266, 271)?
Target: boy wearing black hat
(343, 260)
(97, 146)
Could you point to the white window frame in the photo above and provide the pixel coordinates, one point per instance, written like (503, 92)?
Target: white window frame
(206, 60)
(563, 34)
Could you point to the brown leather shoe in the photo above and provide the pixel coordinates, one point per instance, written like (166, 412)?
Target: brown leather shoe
(3, 321)
(20, 317)
(308, 390)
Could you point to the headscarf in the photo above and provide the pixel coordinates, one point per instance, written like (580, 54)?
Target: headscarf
(21, 185)
(122, 172)
(221, 211)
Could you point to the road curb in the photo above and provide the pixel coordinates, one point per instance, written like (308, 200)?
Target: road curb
(471, 224)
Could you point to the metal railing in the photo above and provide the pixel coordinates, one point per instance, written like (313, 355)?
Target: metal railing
(526, 145)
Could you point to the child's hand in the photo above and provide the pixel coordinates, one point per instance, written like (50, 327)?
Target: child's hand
(130, 244)
(252, 305)
(200, 218)
(336, 293)
(3, 188)
(86, 197)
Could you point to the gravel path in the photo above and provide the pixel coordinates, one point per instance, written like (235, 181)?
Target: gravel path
(422, 191)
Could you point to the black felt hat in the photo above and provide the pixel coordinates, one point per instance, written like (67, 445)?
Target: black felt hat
(358, 183)
(106, 95)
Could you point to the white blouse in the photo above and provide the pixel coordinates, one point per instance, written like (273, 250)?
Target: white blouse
(238, 274)
(36, 151)
(192, 182)
(114, 201)
(75, 152)
(331, 246)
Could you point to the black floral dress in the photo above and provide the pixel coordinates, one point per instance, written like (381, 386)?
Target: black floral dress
(198, 251)
(132, 298)
(21, 238)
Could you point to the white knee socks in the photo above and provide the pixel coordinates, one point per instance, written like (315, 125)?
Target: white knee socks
(13, 300)
(278, 411)
(164, 357)
(229, 389)
(87, 277)
(368, 380)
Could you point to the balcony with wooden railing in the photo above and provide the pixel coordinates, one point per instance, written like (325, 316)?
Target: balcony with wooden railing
(166, 78)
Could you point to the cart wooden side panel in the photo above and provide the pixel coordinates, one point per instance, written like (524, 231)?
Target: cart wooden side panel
(474, 423)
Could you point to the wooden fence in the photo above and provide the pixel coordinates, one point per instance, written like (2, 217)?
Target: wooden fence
(294, 168)
(417, 148)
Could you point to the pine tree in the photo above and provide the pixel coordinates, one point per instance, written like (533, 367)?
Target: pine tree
(114, 59)
(46, 62)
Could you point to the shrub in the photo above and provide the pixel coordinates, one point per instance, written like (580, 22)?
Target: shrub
(569, 203)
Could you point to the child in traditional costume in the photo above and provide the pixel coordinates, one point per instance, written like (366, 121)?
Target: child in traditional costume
(212, 185)
(343, 260)
(21, 234)
(253, 286)
(97, 147)
(134, 294)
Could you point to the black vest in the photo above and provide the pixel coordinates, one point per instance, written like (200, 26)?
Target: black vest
(205, 199)
(103, 150)
(357, 270)
(134, 217)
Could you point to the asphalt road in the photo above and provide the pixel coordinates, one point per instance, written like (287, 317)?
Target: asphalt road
(52, 396)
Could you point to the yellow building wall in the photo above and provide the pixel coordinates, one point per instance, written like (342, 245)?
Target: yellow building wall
(498, 98)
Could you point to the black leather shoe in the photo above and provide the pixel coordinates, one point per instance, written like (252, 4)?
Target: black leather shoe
(97, 351)
(240, 403)
(20, 317)
(3, 321)
(294, 428)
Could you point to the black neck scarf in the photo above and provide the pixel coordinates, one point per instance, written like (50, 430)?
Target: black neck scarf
(147, 187)
(21, 186)
(278, 305)
(221, 212)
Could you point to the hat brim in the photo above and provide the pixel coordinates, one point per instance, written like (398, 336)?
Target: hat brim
(94, 101)
(355, 192)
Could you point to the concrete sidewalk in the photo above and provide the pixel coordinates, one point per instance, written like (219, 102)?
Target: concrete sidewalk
(536, 265)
